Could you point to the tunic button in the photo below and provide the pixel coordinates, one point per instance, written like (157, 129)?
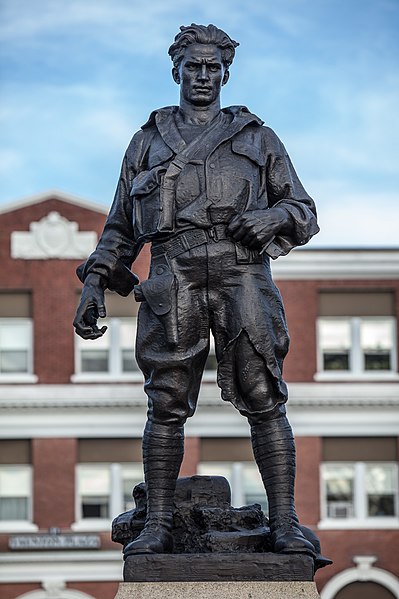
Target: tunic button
(212, 165)
(159, 270)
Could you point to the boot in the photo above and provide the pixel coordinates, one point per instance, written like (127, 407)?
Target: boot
(163, 448)
(274, 451)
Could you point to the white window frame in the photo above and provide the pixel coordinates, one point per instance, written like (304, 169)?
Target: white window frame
(20, 377)
(116, 503)
(115, 372)
(7, 526)
(360, 520)
(356, 370)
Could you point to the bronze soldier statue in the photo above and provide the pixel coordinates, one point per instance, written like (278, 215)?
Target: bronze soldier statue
(214, 192)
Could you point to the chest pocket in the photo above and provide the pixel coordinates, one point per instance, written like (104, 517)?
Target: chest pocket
(145, 193)
(252, 152)
(252, 162)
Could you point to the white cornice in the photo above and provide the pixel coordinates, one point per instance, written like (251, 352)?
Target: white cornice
(83, 396)
(96, 411)
(69, 566)
(338, 264)
(53, 194)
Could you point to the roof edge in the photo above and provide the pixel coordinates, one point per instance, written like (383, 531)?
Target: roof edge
(53, 194)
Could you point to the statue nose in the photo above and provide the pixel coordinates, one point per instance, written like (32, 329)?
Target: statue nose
(204, 72)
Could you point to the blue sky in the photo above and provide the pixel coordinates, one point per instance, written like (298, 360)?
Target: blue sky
(78, 77)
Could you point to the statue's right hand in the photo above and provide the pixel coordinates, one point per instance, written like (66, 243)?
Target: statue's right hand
(91, 307)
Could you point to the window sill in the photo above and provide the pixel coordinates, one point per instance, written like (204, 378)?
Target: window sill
(92, 525)
(18, 378)
(352, 376)
(356, 524)
(99, 377)
(17, 526)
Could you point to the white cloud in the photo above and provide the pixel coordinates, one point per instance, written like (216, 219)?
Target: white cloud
(353, 219)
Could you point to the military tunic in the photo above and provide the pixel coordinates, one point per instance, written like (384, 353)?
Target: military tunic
(180, 195)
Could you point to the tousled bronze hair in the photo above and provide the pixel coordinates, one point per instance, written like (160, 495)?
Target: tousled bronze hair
(202, 34)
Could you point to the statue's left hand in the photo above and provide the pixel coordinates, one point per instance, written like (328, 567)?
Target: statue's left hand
(256, 228)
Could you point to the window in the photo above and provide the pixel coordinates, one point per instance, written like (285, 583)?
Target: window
(244, 478)
(104, 491)
(109, 356)
(356, 346)
(15, 348)
(15, 493)
(360, 491)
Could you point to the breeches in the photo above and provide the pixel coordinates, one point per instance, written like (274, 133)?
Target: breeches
(242, 307)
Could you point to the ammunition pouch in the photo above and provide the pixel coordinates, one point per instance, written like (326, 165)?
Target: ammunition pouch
(160, 293)
(147, 208)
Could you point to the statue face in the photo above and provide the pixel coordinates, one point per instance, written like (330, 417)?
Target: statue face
(201, 74)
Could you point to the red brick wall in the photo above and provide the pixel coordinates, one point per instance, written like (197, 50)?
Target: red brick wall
(301, 306)
(98, 590)
(300, 301)
(54, 482)
(54, 286)
(342, 545)
(11, 591)
(191, 456)
(307, 488)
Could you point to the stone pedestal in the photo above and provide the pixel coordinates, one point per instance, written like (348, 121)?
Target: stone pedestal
(219, 590)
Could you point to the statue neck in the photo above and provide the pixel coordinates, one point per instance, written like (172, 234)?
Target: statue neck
(199, 115)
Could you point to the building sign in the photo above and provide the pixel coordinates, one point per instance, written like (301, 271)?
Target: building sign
(53, 541)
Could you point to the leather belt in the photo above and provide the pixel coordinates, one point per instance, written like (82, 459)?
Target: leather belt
(187, 240)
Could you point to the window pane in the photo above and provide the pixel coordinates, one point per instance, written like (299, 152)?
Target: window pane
(335, 341)
(99, 343)
(376, 342)
(94, 484)
(336, 360)
(131, 476)
(254, 491)
(376, 334)
(15, 335)
(335, 334)
(15, 481)
(381, 489)
(94, 481)
(14, 361)
(94, 360)
(14, 508)
(129, 363)
(377, 360)
(127, 334)
(338, 482)
(95, 507)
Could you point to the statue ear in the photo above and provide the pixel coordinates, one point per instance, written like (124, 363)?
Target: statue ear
(225, 77)
(176, 75)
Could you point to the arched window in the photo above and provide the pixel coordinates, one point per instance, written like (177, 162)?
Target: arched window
(364, 581)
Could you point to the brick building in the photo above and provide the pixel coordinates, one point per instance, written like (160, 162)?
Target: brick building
(72, 412)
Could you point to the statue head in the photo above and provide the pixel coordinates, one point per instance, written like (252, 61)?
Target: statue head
(202, 34)
(201, 58)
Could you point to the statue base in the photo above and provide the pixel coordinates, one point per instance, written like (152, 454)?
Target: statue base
(218, 567)
(221, 590)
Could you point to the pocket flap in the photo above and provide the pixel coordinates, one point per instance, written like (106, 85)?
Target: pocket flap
(147, 181)
(251, 152)
(158, 292)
